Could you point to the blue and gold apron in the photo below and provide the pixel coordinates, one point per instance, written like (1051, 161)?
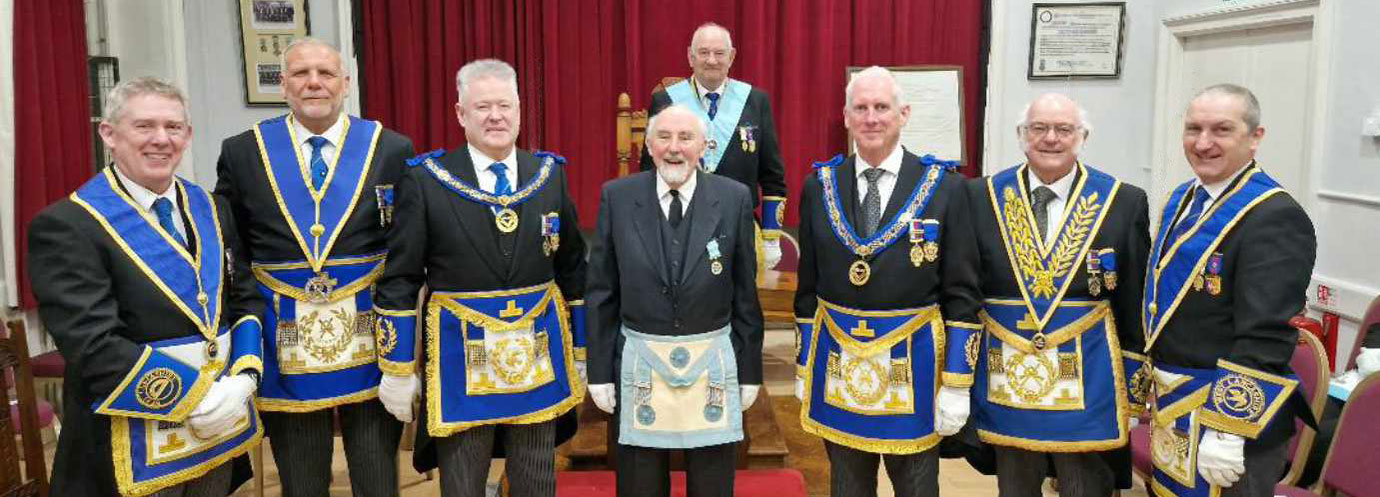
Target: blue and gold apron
(152, 447)
(872, 377)
(679, 392)
(321, 328)
(498, 357)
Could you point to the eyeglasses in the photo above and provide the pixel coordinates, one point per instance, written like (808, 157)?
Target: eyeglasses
(1038, 130)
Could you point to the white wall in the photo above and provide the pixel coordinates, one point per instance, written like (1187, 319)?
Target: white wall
(1344, 199)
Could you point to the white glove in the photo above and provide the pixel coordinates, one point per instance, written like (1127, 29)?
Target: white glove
(951, 408)
(396, 392)
(1368, 362)
(1135, 421)
(603, 396)
(1221, 457)
(748, 395)
(226, 403)
(771, 252)
(581, 368)
(800, 388)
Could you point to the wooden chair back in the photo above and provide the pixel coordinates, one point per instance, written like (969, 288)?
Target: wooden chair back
(14, 360)
(631, 128)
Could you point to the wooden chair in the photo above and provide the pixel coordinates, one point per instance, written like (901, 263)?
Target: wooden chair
(1352, 458)
(631, 127)
(1310, 364)
(14, 359)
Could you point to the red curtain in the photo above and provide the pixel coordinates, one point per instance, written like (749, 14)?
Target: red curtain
(574, 57)
(52, 149)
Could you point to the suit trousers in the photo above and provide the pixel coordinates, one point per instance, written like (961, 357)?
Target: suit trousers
(531, 460)
(1021, 473)
(303, 445)
(853, 472)
(215, 483)
(645, 471)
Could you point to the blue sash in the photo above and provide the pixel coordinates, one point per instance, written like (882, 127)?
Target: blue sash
(192, 283)
(721, 128)
(1044, 273)
(1168, 277)
(323, 351)
(498, 357)
(886, 234)
(316, 218)
(679, 392)
(1060, 393)
(872, 378)
(153, 454)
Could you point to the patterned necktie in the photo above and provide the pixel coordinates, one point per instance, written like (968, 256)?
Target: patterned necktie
(318, 163)
(1195, 211)
(1041, 196)
(502, 186)
(872, 202)
(676, 213)
(163, 208)
(713, 104)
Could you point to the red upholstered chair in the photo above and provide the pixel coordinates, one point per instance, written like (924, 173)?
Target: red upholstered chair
(1372, 317)
(1352, 458)
(790, 254)
(49, 370)
(1310, 364)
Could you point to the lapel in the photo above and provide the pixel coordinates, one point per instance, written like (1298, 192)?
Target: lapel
(702, 225)
(529, 212)
(846, 180)
(475, 218)
(910, 174)
(646, 221)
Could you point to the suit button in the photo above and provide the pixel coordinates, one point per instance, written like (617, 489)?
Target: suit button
(665, 290)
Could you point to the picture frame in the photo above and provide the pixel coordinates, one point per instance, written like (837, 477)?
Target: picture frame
(935, 96)
(1076, 40)
(266, 29)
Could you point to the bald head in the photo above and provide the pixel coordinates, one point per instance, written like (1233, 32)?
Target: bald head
(711, 55)
(1052, 131)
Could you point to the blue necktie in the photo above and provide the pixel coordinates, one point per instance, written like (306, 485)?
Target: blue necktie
(318, 163)
(163, 208)
(1195, 211)
(501, 187)
(713, 104)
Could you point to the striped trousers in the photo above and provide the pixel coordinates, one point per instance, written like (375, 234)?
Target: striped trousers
(215, 483)
(531, 459)
(303, 445)
(1021, 473)
(853, 472)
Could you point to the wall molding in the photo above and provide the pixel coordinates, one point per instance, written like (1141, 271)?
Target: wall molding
(1372, 201)
(1349, 299)
(1232, 11)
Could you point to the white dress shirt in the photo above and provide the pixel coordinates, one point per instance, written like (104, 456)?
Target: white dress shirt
(663, 194)
(145, 198)
(1054, 210)
(704, 99)
(334, 135)
(487, 178)
(886, 182)
(1214, 192)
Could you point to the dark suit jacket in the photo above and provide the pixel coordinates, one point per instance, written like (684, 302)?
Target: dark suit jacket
(629, 280)
(449, 243)
(243, 181)
(1267, 262)
(952, 282)
(1125, 229)
(100, 309)
(762, 168)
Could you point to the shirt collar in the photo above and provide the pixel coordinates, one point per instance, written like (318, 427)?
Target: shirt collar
(332, 134)
(705, 91)
(687, 190)
(144, 196)
(482, 161)
(1061, 186)
(891, 164)
(1215, 190)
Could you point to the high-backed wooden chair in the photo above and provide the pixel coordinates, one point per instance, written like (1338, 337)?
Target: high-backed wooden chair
(33, 481)
(631, 126)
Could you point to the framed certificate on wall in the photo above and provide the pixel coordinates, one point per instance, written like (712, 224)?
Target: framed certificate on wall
(1076, 40)
(266, 29)
(935, 95)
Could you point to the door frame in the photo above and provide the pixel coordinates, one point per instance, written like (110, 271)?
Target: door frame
(1172, 97)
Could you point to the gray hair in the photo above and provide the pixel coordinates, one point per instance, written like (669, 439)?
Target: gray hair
(1023, 118)
(898, 94)
(703, 126)
(1252, 114)
(147, 85)
(484, 68)
(305, 41)
(707, 28)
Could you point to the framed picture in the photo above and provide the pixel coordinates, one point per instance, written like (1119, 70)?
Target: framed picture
(1076, 40)
(935, 95)
(266, 29)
